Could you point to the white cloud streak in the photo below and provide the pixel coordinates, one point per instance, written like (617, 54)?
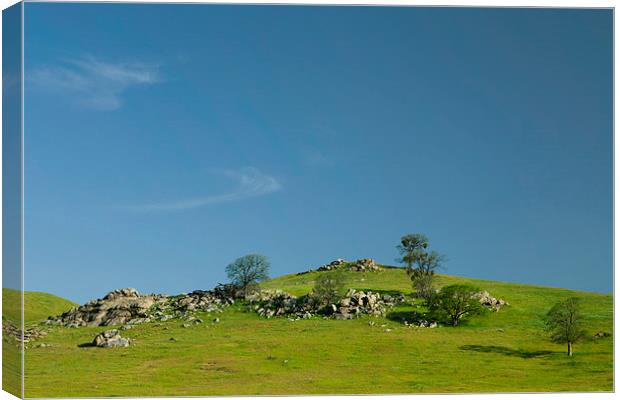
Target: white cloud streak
(92, 83)
(250, 183)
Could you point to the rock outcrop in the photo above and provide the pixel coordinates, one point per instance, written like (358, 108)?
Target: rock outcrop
(364, 265)
(118, 307)
(356, 303)
(489, 301)
(332, 265)
(128, 307)
(361, 265)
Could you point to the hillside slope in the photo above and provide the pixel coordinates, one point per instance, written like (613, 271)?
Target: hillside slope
(37, 305)
(244, 354)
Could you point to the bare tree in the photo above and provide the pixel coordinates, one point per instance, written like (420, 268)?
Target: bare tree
(247, 271)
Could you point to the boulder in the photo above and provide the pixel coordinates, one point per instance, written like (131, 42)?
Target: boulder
(110, 338)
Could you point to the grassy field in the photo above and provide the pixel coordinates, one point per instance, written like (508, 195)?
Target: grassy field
(245, 354)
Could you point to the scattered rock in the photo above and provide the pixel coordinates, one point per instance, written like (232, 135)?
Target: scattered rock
(216, 320)
(601, 334)
(203, 300)
(110, 338)
(15, 334)
(277, 303)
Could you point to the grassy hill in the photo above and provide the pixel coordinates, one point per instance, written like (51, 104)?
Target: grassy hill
(37, 305)
(245, 354)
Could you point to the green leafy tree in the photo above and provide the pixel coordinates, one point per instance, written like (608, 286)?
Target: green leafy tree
(565, 323)
(328, 287)
(411, 248)
(453, 303)
(245, 272)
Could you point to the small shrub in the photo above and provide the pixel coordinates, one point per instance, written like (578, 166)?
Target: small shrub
(329, 287)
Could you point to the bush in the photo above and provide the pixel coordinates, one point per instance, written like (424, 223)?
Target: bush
(328, 287)
(423, 284)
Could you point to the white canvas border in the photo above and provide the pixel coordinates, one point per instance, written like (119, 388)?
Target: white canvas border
(476, 3)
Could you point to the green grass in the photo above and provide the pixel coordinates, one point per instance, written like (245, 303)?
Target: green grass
(37, 306)
(245, 354)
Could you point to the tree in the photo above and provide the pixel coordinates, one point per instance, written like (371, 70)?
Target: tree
(328, 287)
(411, 247)
(423, 276)
(455, 302)
(565, 323)
(247, 271)
(423, 284)
(420, 263)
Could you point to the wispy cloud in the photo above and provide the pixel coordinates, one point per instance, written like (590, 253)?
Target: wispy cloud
(91, 82)
(314, 158)
(250, 183)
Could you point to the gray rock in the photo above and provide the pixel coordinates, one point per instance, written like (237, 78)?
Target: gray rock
(110, 338)
(489, 301)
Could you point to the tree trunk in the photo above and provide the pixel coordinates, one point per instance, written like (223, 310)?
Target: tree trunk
(570, 349)
(455, 321)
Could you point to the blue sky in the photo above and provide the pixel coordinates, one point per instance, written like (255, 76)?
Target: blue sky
(164, 141)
